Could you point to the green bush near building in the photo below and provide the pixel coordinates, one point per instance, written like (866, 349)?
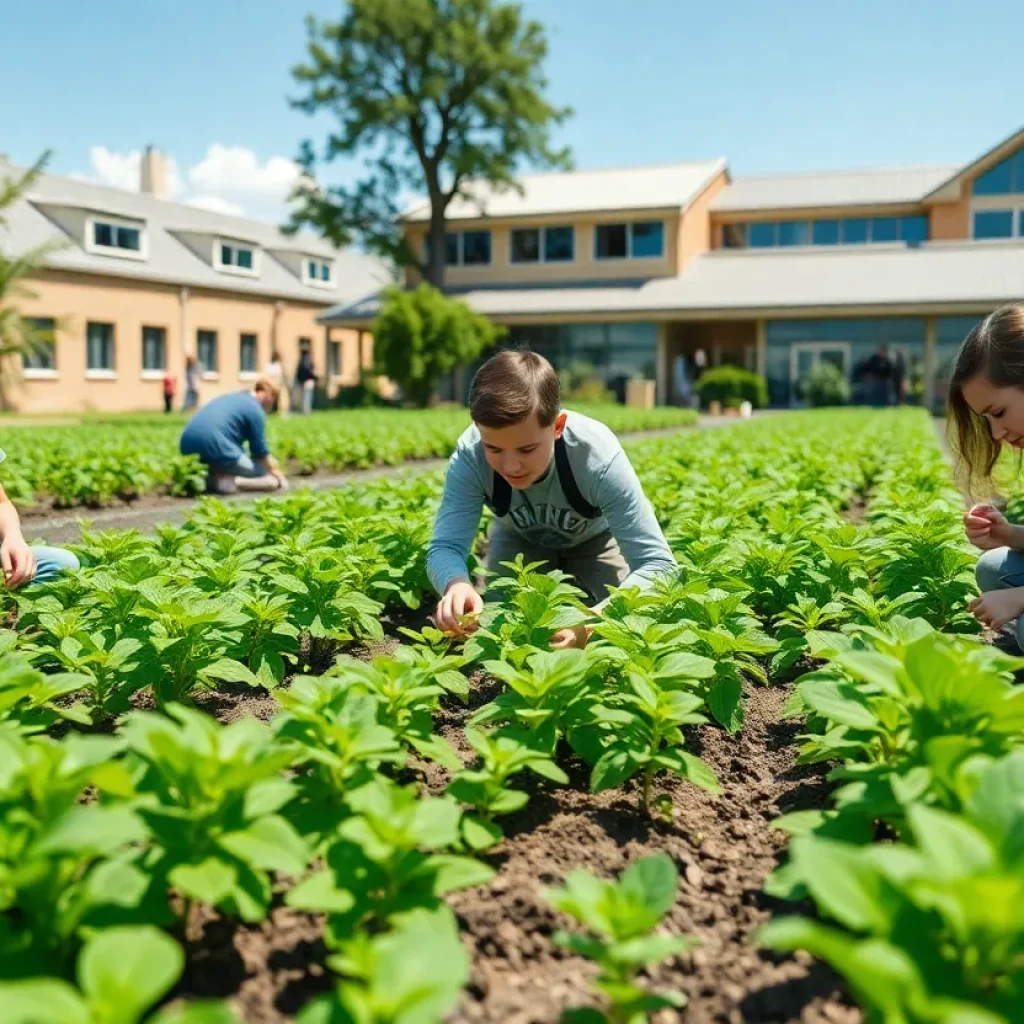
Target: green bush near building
(731, 386)
(826, 385)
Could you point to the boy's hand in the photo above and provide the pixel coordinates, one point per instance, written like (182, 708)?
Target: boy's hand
(998, 607)
(460, 602)
(987, 528)
(18, 561)
(574, 636)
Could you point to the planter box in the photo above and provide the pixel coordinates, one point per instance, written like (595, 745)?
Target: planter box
(640, 394)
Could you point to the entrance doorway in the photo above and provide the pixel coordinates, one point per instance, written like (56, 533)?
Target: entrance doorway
(805, 356)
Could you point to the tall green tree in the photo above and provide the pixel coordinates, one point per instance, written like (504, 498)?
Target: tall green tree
(429, 94)
(18, 335)
(421, 335)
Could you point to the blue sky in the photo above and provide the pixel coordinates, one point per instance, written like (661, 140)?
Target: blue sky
(789, 85)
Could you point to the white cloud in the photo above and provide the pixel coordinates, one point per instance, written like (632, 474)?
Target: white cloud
(235, 170)
(121, 170)
(218, 204)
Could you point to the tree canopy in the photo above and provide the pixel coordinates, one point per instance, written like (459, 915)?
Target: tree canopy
(429, 94)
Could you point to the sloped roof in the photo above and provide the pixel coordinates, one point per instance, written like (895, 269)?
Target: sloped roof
(668, 186)
(949, 187)
(831, 188)
(170, 260)
(738, 282)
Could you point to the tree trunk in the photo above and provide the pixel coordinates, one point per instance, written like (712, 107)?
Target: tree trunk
(436, 262)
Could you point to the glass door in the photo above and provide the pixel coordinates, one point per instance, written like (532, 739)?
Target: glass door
(804, 356)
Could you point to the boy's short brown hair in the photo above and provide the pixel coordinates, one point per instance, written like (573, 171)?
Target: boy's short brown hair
(513, 385)
(268, 386)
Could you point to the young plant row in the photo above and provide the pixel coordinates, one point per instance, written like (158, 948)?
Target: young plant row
(108, 459)
(917, 868)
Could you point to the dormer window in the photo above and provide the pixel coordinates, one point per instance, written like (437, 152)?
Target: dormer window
(318, 273)
(111, 236)
(236, 258)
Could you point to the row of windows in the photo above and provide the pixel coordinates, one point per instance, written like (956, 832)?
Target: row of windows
(557, 244)
(1006, 178)
(998, 223)
(100, 349)
(830, 231)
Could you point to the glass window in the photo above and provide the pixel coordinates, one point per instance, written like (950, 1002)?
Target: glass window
(648, 238)
(825, 232)
(206, 350)
(997, 181)
(610, 242)
(334, 358)
(476, 248)
(42, 350)
(99, 354)
(1020, 223)
(451, 249)
(103, 234)
(325, 271)
(128, 238)
(526, 245)
(914, 230)
(794, 232)
(311, 270)
(855, 231)
(763, 234)
(247, 353)
(559, 244)
(734, 236)
(116, 236)
(993, 224)
(154, 348)
(226, 255)
(885, 229)
(236, 256)
(244, 257)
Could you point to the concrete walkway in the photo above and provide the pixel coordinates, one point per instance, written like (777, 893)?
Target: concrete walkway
(65, 528)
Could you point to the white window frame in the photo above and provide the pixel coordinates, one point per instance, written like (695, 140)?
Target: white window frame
(248, 374)
(542, 231)
(43, 372)
(628, 224)
(145, 374)
(142, 253)
(102, 373)
(230, 268)
(317, 282)
(1012, 202)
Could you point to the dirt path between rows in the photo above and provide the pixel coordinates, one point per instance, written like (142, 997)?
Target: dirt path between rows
(722, 845)
(147, 512)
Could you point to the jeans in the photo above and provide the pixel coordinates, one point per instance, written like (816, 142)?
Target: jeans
(51, 562)
(595, 565)
(1001, 569)
(242, 466)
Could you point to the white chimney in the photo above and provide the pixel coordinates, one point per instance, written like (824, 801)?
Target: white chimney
(153, 173)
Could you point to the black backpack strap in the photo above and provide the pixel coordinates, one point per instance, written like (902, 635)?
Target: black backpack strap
(501, 496)
(569, 486)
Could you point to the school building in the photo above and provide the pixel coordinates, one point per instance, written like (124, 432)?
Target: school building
(139, 282)
(628, 269)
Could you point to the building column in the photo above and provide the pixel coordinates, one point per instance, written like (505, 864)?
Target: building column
(762, 348)
(929, 364)
(663, 368)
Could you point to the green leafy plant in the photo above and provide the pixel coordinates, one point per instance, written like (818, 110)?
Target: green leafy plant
(620, 918)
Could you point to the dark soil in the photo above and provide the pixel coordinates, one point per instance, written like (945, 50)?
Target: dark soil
(722, 845)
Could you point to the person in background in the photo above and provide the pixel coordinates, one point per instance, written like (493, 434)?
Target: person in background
(305, 377)
(21, 563)
(218, 432)
(986, 416)
(899, 378)
(170, 384)
(878, 372)
(681, 379)
(560, 486)
(274, 370)
(192, 376)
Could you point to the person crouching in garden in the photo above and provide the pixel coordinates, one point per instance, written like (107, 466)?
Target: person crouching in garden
(986, 406)
(560, 486)
(218, 432)
(21, 563)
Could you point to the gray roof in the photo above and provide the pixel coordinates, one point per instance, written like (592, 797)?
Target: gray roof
(832, 188)
(668, 186)
(170, 261)
(728, 282)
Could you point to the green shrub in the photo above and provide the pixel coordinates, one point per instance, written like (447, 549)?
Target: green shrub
(730, 385)
(825, 385)
(580, 383)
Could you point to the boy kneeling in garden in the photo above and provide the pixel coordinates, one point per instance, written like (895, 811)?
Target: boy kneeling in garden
(560, 486)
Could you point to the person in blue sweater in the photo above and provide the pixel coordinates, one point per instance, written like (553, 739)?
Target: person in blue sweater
(560, 486)
(218, 432)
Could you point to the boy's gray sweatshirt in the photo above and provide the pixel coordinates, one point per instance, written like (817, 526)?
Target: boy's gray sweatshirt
(542, 514)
